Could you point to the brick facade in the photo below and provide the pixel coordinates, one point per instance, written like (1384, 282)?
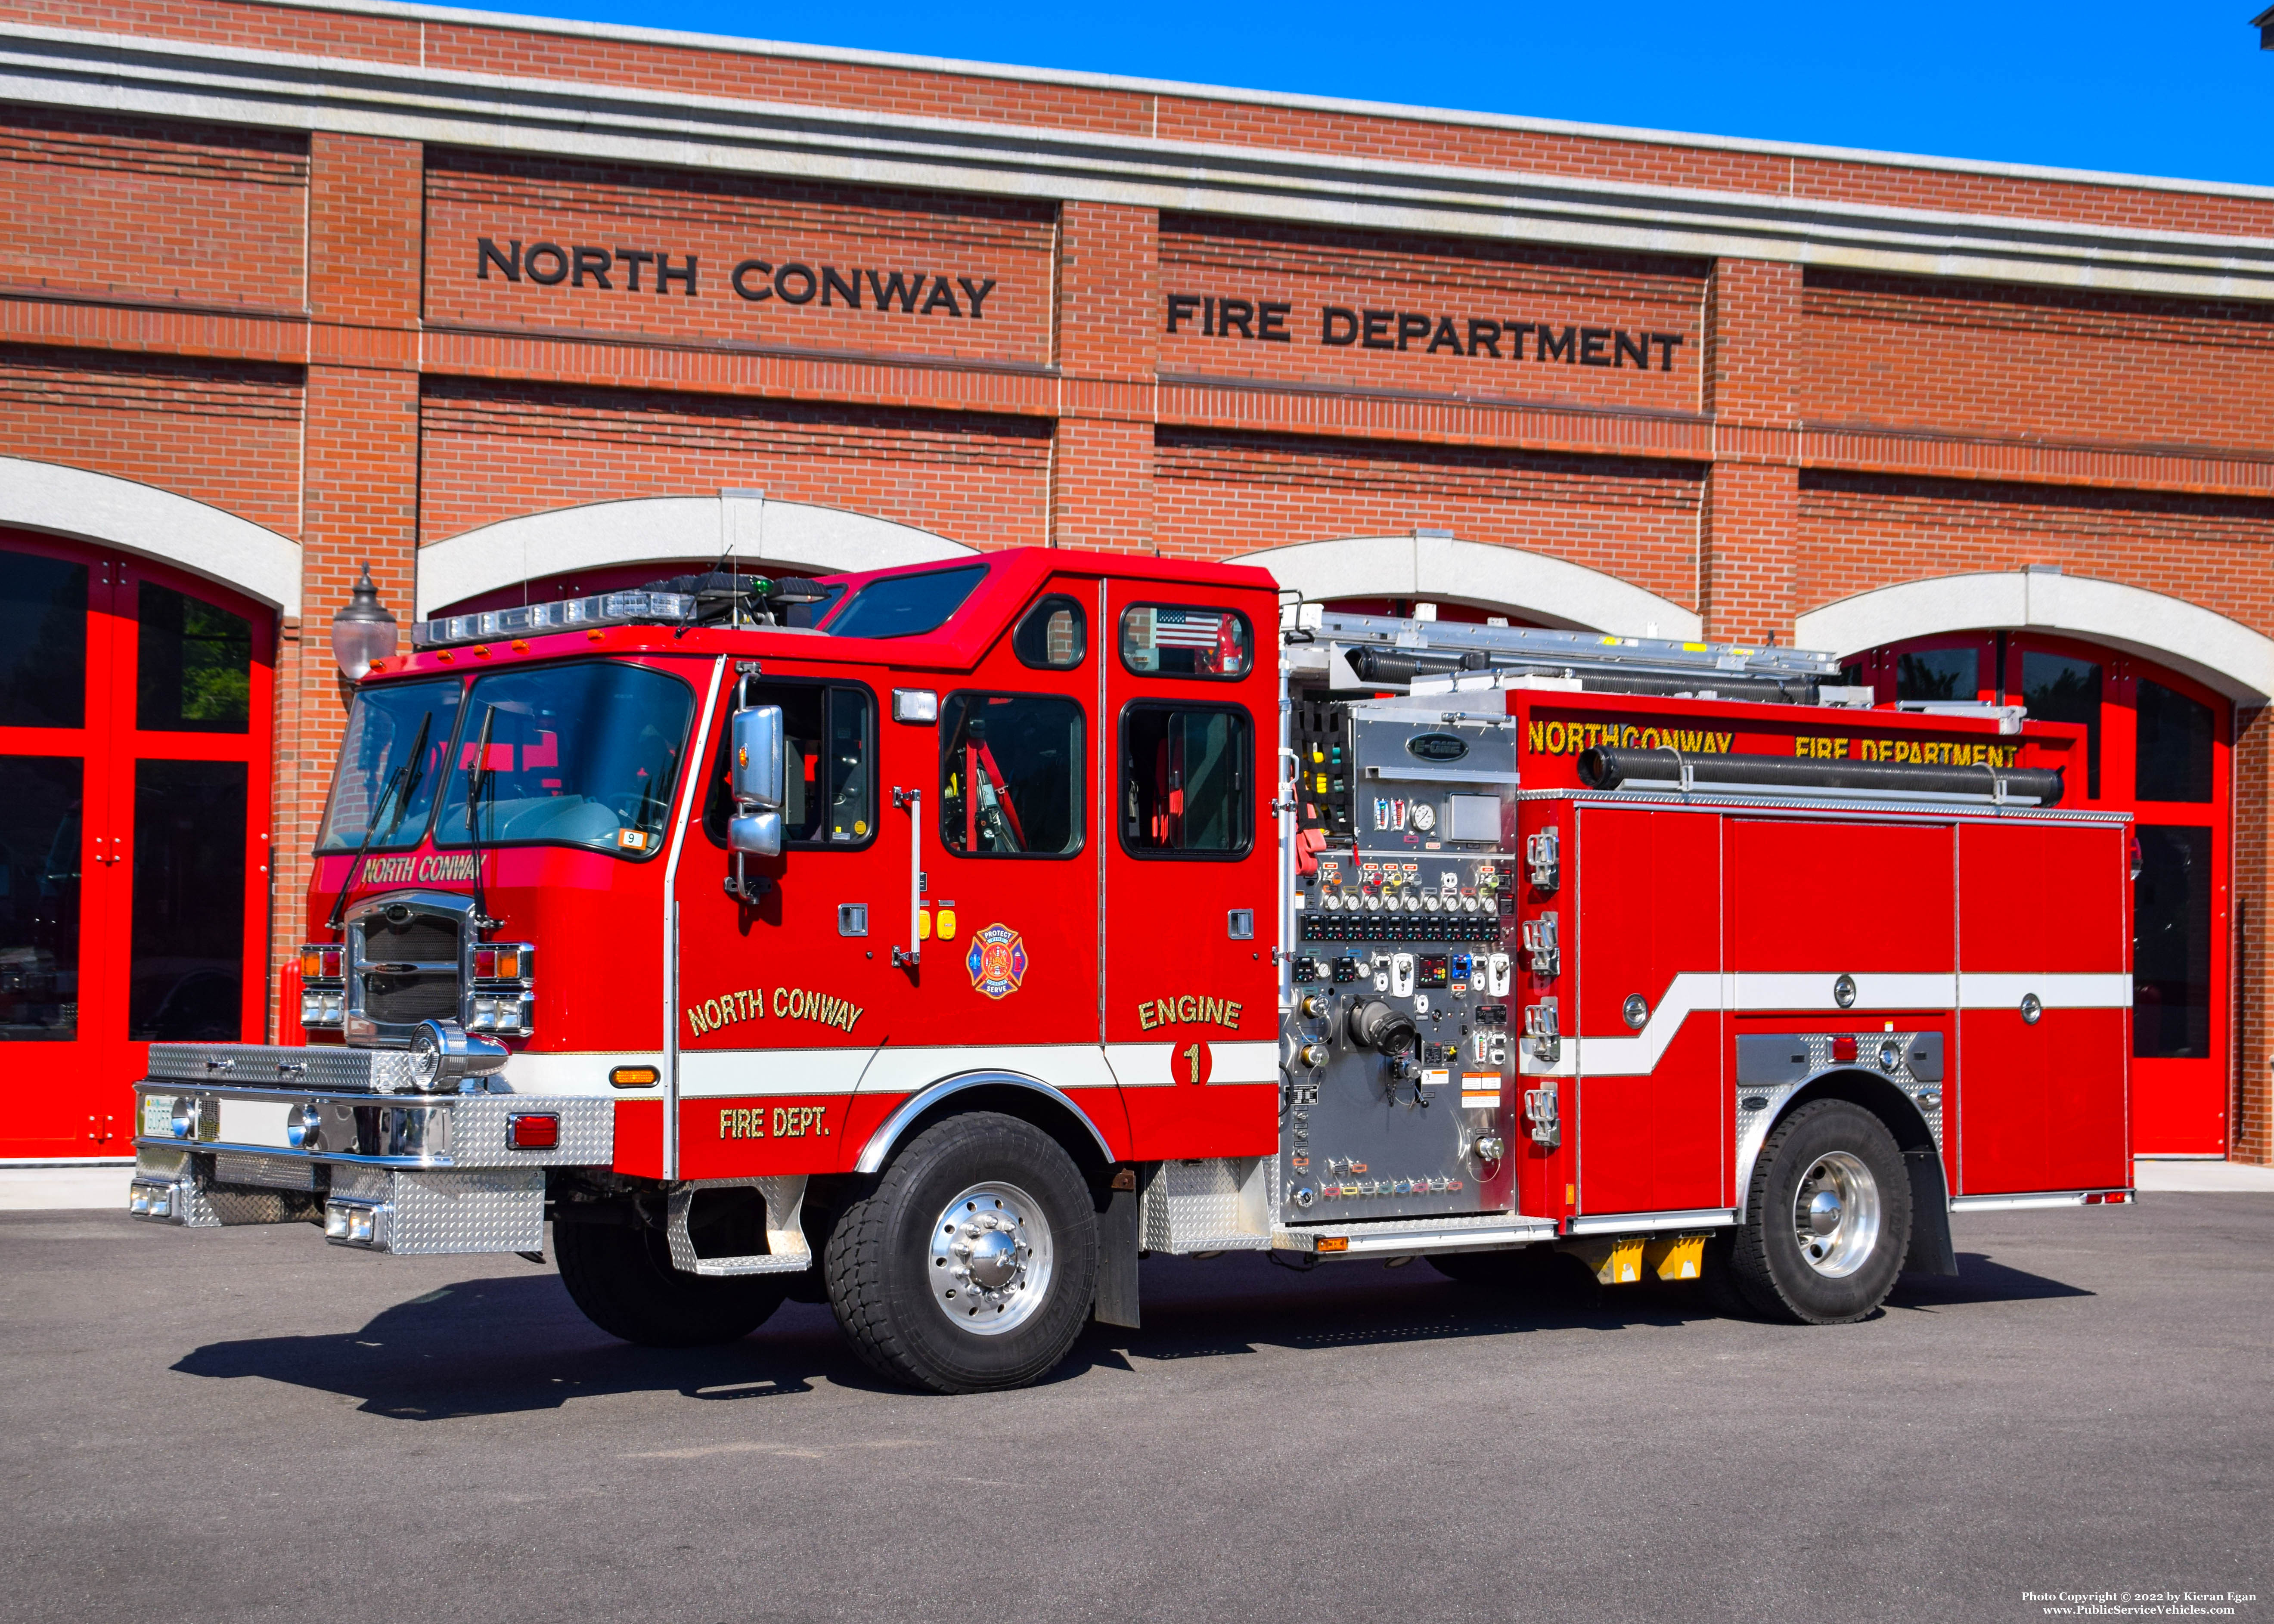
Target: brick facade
(369, 344)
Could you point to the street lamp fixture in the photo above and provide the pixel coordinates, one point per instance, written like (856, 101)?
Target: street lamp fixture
(362, 631)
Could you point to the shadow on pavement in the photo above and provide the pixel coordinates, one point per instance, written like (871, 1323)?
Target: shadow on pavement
(1981, 1279)
(513, 1344)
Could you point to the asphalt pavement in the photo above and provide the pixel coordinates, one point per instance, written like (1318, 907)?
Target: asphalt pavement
(249, 1425)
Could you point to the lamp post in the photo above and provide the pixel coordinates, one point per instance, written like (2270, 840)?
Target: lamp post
(363, 630)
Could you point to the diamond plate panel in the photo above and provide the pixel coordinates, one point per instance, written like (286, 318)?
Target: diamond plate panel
(273, 1065)
(478, 1128)
(1197, 1206)
(486, 1210)
(269, 1172)
(352, 1182)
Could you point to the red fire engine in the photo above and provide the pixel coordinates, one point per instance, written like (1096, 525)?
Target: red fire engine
(938, 942)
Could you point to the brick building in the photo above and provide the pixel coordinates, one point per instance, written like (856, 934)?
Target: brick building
(507, 306)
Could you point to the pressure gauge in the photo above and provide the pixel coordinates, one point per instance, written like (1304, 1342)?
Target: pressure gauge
(1422, 816)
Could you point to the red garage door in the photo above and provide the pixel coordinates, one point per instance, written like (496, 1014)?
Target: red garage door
(135, 707)
(2157, 747)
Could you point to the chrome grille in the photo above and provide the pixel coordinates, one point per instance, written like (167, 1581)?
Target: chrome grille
(410, 967)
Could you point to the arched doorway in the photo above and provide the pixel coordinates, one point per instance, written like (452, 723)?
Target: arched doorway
(136, 715)
(2157, 746)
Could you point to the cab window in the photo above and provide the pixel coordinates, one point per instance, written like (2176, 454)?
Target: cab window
(906, 605)
(828, 781)
(1053, 635)
(1186, 790)
(1174, 640)
(1011, 775)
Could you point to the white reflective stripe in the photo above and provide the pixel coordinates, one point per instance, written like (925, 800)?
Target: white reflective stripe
(713, 1073)
(2055, 992)
(1161, 1065)
(2011, 1203)
(1874, 990)
(1812, 992)
(1637, 1223)
(892, 1068)
(577, 1073)
(1068, 1067)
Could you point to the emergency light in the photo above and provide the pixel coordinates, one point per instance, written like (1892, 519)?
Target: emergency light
(530, 620)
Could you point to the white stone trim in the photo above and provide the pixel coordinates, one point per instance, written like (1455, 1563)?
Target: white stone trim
(192, 80)
(1128, 84)
(667, 528)
(1444, 569)
(2218, 652)
(133, 517)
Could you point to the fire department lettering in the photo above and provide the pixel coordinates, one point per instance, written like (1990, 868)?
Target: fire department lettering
(786, 1122)
(786, 1002)
(419, 870)
(1187, 1010)
(1570, 737)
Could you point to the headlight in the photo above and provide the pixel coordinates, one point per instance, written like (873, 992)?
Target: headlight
(442, 1054)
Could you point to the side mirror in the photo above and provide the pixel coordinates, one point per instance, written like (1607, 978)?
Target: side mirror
(756, 834)
(758, 765)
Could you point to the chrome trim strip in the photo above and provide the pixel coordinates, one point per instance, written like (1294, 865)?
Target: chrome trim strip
(1640, 1223)
(2016, 1203)
(880, 1143)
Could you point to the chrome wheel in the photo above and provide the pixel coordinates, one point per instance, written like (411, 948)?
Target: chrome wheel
(1835, 1214)
(990, 1258)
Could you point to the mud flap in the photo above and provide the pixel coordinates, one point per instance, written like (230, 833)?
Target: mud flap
(1930, 1251)
(1117, 1237)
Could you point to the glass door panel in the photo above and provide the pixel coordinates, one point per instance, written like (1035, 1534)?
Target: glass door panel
(187, 974)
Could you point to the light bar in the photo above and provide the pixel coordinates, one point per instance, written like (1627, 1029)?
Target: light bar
(532, 619)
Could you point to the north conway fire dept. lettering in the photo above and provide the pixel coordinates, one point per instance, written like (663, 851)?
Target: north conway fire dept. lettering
(786, 1122)
(786, 1003)
(1187, 1010)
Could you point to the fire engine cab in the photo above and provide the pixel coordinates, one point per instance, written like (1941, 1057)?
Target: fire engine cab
(938, 942)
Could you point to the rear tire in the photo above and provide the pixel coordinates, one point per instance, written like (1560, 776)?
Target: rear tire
(1828, 1217)
(621, 1276)
(971, 1264)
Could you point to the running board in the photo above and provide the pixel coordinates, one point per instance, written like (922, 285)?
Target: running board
(786, 1251)
(1391, 1236)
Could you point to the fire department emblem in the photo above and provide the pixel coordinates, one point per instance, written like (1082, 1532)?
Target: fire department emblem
(997, 960)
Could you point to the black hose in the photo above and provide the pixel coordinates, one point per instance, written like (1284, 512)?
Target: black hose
(1609, 769)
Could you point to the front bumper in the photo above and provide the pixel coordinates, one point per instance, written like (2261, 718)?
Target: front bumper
(405, 1174)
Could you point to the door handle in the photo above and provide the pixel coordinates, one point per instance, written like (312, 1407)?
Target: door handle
(911, 800)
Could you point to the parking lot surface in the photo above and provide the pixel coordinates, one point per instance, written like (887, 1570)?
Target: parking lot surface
(250, 1425)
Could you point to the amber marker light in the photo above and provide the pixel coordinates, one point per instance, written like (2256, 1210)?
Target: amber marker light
(635, 1076)
(1334, 1243)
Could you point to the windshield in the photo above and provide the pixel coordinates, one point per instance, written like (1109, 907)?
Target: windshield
(578, 756)
(381, 730)
(906, 605)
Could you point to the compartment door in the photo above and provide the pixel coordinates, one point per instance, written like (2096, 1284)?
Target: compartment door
(2042, 1104)
(1653, 1108)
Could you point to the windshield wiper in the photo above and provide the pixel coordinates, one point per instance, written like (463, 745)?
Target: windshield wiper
(478, 783)
(395, 785)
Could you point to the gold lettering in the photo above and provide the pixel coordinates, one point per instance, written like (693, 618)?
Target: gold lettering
(1232, 1012)
(1538, 736)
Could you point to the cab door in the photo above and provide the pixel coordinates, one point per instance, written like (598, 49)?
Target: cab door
(787, 987)
(1191, 1001)
(1008, 926)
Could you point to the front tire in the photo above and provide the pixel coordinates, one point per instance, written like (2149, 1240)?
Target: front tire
(1828, 1218)
(971, 1265)
(621, 1276)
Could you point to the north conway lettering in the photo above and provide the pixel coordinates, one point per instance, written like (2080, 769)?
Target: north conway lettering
(757, 281)
(1265, 321)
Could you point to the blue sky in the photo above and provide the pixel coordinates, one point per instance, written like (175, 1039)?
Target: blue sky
(2177, 89)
